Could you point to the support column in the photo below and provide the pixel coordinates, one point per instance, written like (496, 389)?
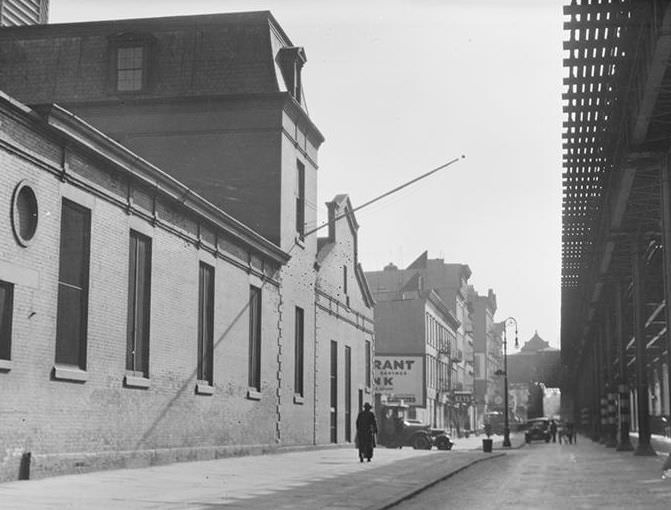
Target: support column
(666, 241)
(603, 383)
(611, 436)
(643, 447)
(624, 413)
(596, 394)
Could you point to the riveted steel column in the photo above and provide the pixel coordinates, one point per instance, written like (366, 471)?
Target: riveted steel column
(623, 408)
(603, 382)
(643, 447)
(665, 171)
(596, 395)
(611, 436)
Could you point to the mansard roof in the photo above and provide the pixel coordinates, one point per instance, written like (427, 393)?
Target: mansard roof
(217, 54)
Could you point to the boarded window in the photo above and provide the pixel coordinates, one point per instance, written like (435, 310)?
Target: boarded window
(255, 338)
(334, 391)
(73, 285)
(6, 309)
(368, 362)
(348, 393)
(139, 298)
(299, 354)
(300, 199)
(205, 323)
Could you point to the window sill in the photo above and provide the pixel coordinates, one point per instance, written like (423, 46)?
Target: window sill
(253, 394)
(367, 389)
(5, 365)
(134, 381)
(70, 374)
(204, 388)
(299, 399)
(300, 242)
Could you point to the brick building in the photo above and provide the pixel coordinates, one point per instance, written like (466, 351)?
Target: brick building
(488, 351)
(215, 102)
(450, 282)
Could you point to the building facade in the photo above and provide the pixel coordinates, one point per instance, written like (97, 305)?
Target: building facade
(450, 282)
(414, 325)
(216, 103)
(488, 353)
(139, 325)
(344, 328)
(534, 370)
(23, 12)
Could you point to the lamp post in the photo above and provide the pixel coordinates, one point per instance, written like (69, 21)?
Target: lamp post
(506, 423)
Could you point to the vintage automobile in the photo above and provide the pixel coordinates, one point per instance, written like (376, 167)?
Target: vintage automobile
(396, 431)
(537, 429)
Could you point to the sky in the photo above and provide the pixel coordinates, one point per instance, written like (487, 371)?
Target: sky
(399, 87)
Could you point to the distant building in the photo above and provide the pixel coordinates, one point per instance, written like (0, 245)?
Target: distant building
(536, 366)
(488, 352)
(23, 12)
(415, 335)
(450, 282)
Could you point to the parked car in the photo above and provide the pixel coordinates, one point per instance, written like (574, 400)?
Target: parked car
(441, 439)
(537, 429)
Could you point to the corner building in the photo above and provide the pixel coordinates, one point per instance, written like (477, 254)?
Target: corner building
(217, 103)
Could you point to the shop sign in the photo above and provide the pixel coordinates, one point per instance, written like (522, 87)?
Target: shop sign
(400, 378)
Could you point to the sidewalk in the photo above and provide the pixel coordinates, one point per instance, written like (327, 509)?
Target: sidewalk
(326, 479)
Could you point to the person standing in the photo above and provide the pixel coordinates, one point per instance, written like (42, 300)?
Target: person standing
(366, 428)
(553, 430)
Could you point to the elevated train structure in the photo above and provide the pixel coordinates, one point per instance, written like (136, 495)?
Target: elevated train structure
(616, 236)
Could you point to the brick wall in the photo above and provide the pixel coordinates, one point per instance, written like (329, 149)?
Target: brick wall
(76, 426)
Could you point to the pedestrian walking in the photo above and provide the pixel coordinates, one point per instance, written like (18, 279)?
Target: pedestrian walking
(570, 432)
(553, 430)
(366, 428)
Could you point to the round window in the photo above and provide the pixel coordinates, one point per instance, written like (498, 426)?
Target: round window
(24, 213)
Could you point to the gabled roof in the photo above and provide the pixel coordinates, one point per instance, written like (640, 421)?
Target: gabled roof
(340, 209)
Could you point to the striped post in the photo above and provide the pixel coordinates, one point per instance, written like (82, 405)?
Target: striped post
(624, 420)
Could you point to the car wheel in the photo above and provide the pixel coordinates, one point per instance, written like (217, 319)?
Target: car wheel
(443, 443)
(421, 443)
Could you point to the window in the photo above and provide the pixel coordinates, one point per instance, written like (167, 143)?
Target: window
(139, 296)
(299, 352)
(255, 338)
(6, 309)
(368, 360)
(300, 199)
(130, 68)
(24, 213)
(334, 391)
(129, 62)
(348, 393)
(291, 61)
(205, 323)
(73, 285)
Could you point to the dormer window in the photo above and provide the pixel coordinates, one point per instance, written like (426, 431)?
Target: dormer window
(291, 61)
(129, 62)
(130, 68)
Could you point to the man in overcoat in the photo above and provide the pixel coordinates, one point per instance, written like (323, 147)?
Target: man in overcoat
(366, 428)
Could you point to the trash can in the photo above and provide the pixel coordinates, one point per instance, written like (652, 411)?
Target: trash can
(487, 445)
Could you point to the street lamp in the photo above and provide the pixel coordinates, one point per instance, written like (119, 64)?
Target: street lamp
(506, 424)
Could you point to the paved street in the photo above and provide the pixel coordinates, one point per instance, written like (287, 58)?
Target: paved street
(537, 476)
(549, 476)
(317, 479)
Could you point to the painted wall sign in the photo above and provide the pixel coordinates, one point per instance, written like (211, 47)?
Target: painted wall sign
(400, 378)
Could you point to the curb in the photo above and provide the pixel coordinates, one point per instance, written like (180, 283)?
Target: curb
(414, 492)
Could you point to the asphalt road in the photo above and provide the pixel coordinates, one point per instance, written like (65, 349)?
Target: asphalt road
(549, 476)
